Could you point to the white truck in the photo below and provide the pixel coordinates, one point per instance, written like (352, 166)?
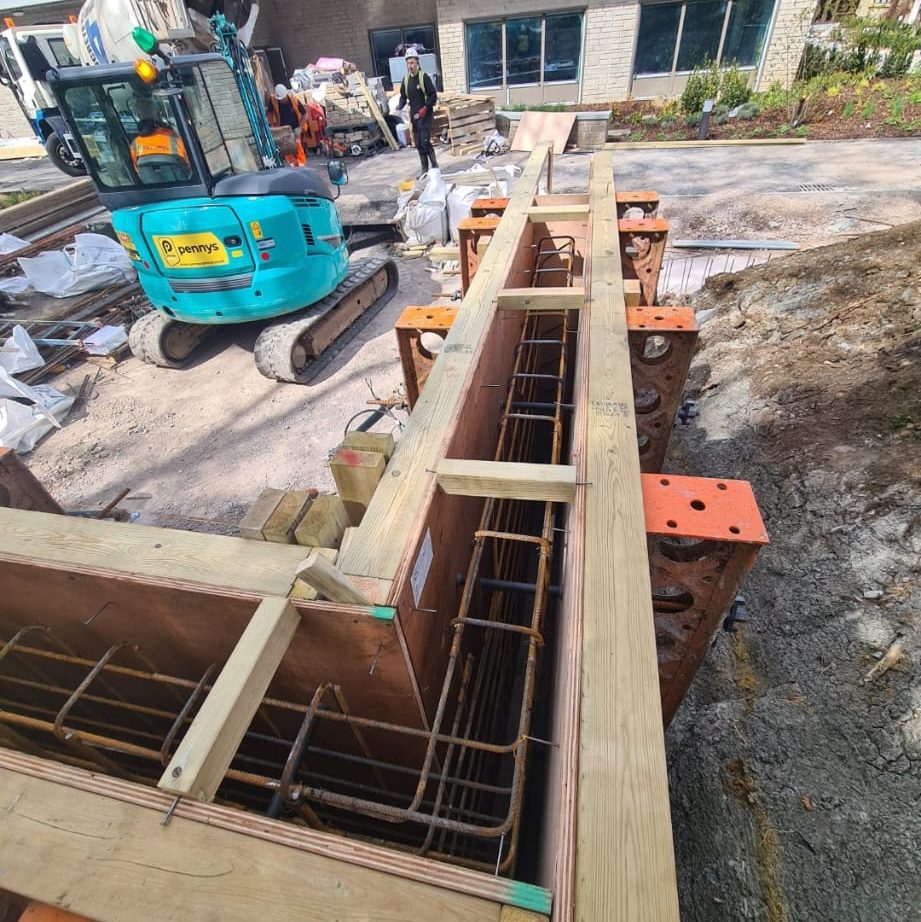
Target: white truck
(101, 35)
(27, 53)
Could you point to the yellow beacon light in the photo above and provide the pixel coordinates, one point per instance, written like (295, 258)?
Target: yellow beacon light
(146, 70)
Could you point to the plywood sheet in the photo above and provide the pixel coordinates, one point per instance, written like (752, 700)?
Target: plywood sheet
(535, 127)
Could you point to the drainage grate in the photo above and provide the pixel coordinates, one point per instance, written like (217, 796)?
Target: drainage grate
(816, 187)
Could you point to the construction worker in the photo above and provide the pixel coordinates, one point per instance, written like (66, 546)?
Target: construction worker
(154, 143)
(418, 89)
(284, 109)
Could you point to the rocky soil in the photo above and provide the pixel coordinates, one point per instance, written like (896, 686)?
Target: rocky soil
(796, 780)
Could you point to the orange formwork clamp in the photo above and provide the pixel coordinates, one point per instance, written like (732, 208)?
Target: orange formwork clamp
(703, 536)
(416, 359)
(662, 342)
(469, 232)
(645, 199)
(642, 248)
(486, 207)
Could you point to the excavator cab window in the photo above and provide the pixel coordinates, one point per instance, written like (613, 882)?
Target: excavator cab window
(134, 136)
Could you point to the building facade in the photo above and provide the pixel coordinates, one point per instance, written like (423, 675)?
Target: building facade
(550, 51)
(524, 51)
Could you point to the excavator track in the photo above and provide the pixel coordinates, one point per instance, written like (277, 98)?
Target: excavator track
(286, 348)
(158, 340)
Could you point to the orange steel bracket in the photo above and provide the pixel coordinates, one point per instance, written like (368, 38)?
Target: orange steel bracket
(703, 536)
(642, 247)
(417, 361)
(485, 207)
(645, 199)
(469, 231)
(662, 341)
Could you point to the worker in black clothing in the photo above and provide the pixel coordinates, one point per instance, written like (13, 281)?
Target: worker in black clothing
(419, 90)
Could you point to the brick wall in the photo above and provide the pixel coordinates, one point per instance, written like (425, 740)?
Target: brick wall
(306, 31)
(786, 42)
(607, 54)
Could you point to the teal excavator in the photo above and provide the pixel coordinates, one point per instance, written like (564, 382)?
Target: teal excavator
(219, 229)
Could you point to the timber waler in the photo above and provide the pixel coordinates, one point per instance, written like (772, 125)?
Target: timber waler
(220, 231)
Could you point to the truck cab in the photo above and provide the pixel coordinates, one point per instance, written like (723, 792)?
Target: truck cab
(27, 53)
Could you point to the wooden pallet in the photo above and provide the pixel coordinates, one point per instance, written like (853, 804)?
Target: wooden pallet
(469, 119)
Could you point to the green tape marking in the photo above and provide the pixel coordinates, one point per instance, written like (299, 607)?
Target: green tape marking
(529, 896)
(383, 612)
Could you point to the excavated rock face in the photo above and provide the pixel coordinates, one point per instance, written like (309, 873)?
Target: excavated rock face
(795, 782)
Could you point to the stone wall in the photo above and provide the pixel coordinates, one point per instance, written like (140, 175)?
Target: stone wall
(792, 21)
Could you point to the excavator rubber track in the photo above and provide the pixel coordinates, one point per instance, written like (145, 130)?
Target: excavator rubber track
(159, 340)
(286, 348)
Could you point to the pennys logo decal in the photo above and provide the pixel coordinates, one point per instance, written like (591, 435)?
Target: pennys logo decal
(190, 251)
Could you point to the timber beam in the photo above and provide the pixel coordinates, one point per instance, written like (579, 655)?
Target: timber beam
(507, 479)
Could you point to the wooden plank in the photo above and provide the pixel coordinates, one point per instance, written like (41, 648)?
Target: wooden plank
(677, 145)
(174, 557)
(402, 497)
(625, 864)
(633, 292)
(113, 861)
(540, 299)
(323, 524)
(19, 489)
(303, 590)
(538, 127)
(544, 213)
(288, 514)
(328, 581)
(357, 474)
(381, 442)
(211, 742)
(376, 113)
(507, 479)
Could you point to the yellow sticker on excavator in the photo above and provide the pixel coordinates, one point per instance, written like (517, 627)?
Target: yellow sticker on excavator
(126, 241)
(190, 251)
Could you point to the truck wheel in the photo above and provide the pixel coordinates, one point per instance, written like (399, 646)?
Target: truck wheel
(60, 155)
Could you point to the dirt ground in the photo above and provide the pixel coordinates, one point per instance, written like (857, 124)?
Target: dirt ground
(796, 785)
(197, 446)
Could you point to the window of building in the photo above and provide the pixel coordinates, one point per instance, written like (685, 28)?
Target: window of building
(679, 36)
(391, 43)
(523, 50)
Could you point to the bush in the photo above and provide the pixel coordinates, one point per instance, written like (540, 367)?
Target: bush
(775, 97)
(749, 110)
(734, 88)
(703, 84)
(693, 120)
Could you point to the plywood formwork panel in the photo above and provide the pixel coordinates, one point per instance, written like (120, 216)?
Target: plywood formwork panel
(405, 492)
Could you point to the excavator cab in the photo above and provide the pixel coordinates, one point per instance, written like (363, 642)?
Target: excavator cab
(218, 229)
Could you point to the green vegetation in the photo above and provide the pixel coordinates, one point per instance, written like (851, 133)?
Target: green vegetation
(703, 84)
(14, 198)
(734, 88)
(869, 108)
